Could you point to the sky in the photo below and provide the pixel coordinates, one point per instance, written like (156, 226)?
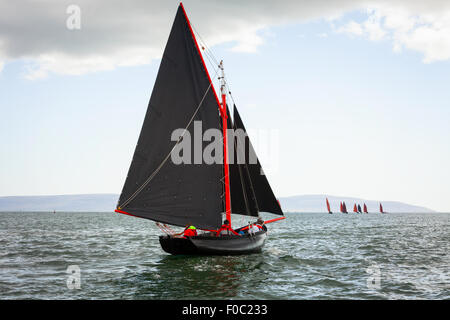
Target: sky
(346, 98)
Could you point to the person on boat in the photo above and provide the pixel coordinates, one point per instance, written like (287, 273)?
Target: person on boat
(226, 229)
(253, 228)
(258, 226)
(189, 231)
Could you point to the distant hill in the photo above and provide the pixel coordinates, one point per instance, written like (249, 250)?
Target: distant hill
(107, 202)
(75, 202)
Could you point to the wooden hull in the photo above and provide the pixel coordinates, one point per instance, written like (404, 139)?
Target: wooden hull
(211, 245)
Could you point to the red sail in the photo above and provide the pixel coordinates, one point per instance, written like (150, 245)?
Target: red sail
(365, 208)
(328, 205)
(340, 207)
(355, 209)
(381, 208)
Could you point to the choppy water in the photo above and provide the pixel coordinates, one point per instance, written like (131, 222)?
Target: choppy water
(307, 256)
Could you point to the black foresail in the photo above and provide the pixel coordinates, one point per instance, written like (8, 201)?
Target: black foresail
(183, 193)
(243, 199)
(257, 195)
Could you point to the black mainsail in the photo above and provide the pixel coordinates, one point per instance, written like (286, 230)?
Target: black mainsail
(183, 193)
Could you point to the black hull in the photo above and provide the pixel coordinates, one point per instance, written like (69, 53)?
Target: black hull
(211, 245)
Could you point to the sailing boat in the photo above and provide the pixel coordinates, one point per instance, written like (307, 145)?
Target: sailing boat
(365, 208)
(344, 207)
(355, 209)
(183, 194)
(359, 209)
(328, 207)
(381, 209)
(341, 209)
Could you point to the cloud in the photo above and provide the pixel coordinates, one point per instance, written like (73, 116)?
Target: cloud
(371, 28)
(118, 33)
(351, 27)
(423, 27)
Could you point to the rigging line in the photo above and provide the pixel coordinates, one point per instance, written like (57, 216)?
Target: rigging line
(212, 64)
(209, 54)
(209, 60)
(170, 152)
(208, 50)
(228, 88)
(229, 92)
(204, 43)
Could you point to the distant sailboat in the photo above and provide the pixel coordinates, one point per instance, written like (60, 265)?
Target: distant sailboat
(359, 209)
(381, 209)
(344, 207)
(341, 209)
(365, 208)
(355, 209)
(328, 207)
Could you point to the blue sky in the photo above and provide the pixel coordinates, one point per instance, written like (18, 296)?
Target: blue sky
(353, 117)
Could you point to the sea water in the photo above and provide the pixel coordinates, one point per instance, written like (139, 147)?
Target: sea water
(69, 255)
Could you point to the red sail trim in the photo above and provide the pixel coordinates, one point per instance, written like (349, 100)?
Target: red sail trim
(128, 214)
(273, 220)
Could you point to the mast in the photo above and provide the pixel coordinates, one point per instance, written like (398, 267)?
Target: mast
(223, 113)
